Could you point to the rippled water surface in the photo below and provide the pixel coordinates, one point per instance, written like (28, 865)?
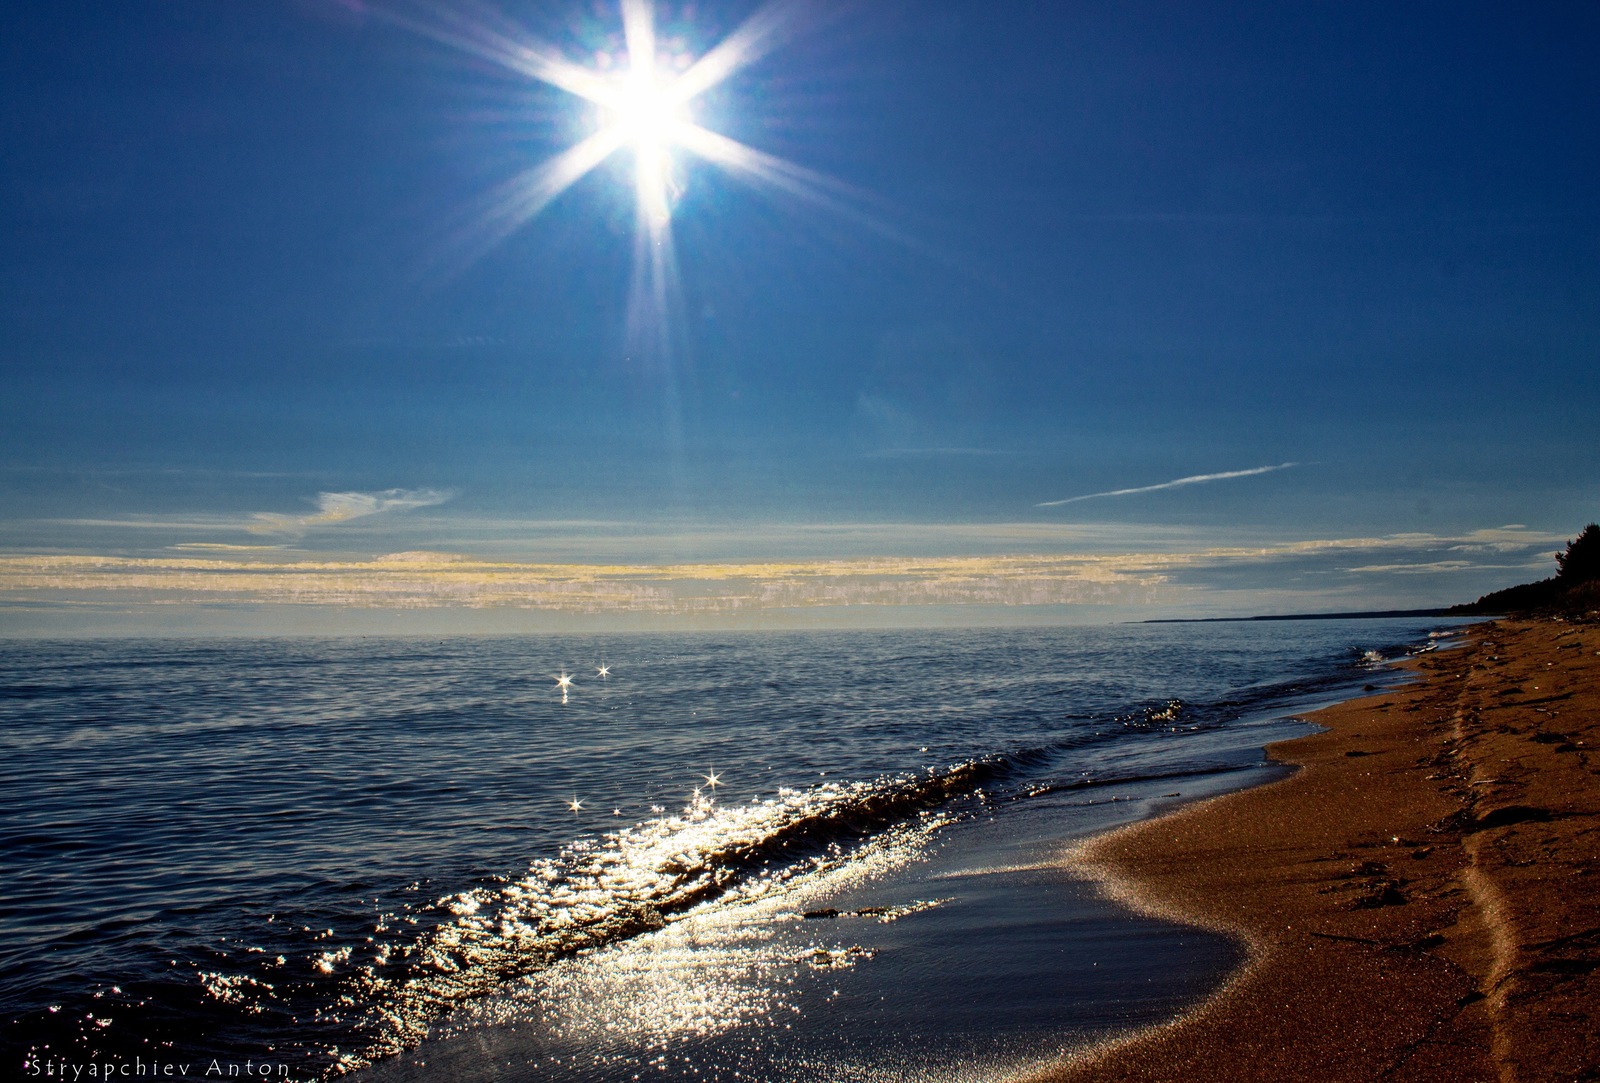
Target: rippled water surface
(314, 852)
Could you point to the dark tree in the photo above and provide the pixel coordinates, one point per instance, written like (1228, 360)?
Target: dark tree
(1581, 562)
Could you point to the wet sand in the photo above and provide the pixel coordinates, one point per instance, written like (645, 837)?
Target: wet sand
(1420, 901)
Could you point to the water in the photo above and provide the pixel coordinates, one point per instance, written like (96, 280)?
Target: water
(310, 854)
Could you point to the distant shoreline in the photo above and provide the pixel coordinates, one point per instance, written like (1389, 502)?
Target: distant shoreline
(1372, 614)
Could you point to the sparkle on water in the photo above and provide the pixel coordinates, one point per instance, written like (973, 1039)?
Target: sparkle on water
(703, 972)
(665, 881)
(598, 892)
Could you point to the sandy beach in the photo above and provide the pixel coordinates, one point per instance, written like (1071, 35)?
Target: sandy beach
(1421, 899)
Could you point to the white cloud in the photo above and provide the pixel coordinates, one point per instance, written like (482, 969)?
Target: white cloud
(1196, 479)
(342, 507)
(225, 547)
(1436, 566)
(1429, 568)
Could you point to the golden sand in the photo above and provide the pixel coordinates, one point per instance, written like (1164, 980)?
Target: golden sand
(1421, 899)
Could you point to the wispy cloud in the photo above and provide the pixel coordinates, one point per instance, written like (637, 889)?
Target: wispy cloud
(225, 547)
(1196, 479)
(342, 507)
(1434, 567)
(933, 452)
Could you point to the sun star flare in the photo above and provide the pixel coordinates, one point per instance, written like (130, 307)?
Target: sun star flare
(644, 109)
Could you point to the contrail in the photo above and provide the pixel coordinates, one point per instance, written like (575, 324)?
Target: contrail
(1195, 480)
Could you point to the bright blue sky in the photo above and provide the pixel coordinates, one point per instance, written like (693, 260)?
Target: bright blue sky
(1089, 248)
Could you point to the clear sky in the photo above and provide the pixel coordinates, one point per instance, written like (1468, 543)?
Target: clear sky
(285, 345)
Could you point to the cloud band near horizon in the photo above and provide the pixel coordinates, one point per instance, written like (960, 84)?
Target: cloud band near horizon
(429, 580)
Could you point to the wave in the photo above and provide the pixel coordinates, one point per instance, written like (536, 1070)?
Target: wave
(630, 882)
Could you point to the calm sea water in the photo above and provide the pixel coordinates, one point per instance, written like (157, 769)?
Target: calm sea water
(315, 853)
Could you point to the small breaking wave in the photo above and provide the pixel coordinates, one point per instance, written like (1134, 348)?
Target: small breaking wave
(1160, 716)
(600, 891)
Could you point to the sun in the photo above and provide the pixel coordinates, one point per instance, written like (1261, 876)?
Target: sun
(641, 93)
(645, 112)
(649, 119)
(644, 92)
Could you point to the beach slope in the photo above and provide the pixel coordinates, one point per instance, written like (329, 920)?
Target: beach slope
(1421, 899)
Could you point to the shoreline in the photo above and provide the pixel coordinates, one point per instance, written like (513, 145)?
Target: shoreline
(1421, 899)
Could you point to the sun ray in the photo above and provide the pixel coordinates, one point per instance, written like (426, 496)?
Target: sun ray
(807, 185)
(655, 278)
(547, 67)
(521, 198)
(754, 38)
(639, 31)
(505, 47)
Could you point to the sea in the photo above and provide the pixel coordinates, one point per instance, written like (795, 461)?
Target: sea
(774, 856)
